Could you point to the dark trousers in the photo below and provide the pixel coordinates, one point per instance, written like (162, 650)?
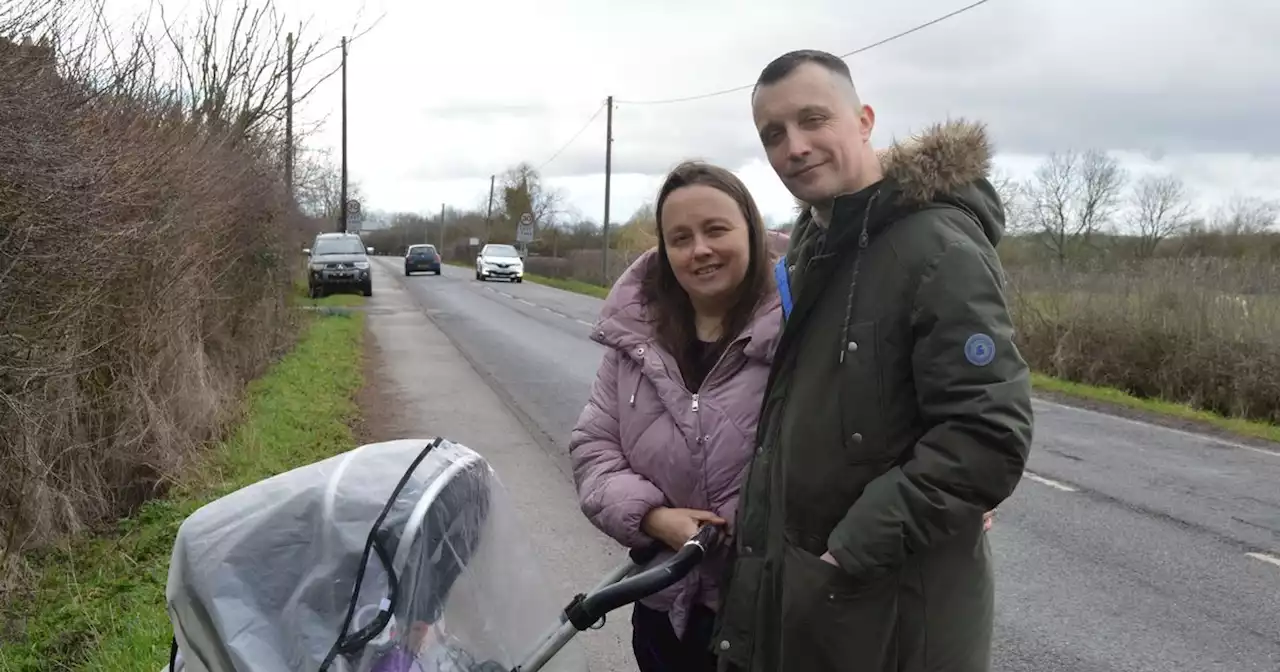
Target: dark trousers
(657, 649)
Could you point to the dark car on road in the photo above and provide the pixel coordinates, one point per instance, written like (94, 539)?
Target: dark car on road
(339, 264)
(421, 258)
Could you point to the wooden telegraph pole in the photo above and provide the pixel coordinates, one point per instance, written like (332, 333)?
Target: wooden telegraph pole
(288, 119)
(343, 206)
(488, 217)
(608, 175)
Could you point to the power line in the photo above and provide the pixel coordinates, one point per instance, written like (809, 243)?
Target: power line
(573, 139)
(713, 94)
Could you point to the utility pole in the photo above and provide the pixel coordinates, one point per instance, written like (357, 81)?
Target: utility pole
(488, 218)
(343, 206)
(442, 228)
(608, 175)
(288, 120)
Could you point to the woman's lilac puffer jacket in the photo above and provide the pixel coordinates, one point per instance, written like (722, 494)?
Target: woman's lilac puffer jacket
(644, 440)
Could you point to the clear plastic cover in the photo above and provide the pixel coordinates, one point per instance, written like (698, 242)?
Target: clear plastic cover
(262, 579)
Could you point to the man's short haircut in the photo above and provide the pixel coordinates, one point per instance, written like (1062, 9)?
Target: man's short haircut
(784, 65)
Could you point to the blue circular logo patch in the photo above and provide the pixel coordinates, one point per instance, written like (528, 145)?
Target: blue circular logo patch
(979, 349)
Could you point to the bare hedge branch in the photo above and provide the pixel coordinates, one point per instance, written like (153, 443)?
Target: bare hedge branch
(148, 249)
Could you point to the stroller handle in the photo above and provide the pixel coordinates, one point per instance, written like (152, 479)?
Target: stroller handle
(622, 587)
(586, 611)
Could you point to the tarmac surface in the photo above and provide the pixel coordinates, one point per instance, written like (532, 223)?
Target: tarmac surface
(1128, 546)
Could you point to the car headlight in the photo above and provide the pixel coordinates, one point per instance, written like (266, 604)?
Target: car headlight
(317, 267)
(362, 265)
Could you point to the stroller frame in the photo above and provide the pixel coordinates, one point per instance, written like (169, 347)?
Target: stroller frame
(622, 586)
(625, 584)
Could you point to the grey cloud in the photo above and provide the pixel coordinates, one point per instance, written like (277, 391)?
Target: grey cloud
(1178, 77)
(1170, 78)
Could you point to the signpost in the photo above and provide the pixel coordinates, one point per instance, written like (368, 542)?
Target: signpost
(354, 214)
(524, 232)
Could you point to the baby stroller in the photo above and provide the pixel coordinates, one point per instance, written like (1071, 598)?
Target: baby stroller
(401, 556)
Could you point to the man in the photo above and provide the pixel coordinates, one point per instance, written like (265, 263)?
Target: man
(898, 408)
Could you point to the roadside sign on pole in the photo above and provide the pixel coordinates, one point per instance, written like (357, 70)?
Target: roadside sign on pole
(354, 214)
(524, 232)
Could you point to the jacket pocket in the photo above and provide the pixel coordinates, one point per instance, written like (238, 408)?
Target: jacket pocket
(832, 622)
(861, 390)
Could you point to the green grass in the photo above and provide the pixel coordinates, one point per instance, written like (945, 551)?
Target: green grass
(302, 300)
(1171, 409)
(577, 286)
(99, 603)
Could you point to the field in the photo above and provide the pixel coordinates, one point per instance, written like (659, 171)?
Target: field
(1195, 332)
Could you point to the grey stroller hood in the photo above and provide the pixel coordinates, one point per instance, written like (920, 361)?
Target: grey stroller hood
(263, 579)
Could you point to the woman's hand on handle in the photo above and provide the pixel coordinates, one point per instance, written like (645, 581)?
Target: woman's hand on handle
(674, 527)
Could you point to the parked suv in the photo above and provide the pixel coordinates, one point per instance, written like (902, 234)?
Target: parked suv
(339, 264)
(421, 258)
(499, 261)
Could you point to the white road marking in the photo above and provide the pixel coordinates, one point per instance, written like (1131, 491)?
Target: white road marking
(586, 323)
(1149, 425)
(1267, 558)
(527, 303)
(1049, 482)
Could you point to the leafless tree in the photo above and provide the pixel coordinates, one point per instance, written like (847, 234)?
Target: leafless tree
(1013, 197)
(22, 17)
(234, 66)
(1246, 215)
(521, 190)
(318, 185)
(1161, 208)
(1072, 197)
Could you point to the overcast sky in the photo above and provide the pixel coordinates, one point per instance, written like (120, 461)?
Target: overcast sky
(441, 95)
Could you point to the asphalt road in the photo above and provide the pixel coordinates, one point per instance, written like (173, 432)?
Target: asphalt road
(1127, 547)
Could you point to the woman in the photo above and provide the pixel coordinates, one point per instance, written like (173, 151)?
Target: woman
(662, 444)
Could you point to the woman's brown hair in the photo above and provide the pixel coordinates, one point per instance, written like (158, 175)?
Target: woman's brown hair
(670, 310)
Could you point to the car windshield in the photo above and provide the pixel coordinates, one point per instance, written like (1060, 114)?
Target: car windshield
(338, 246)
(422, 250)
(501, 251)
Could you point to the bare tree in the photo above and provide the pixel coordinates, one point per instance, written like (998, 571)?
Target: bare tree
(1161, 208)
(233, 67)
(1246, 215)
(22, 17)
(1013, 197)
(1073, 197)
(522, 190)
(318, 185)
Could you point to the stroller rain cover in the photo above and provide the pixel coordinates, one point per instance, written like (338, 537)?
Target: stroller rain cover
(263, 578)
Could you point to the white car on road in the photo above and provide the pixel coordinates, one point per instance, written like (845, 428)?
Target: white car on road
(499, 261)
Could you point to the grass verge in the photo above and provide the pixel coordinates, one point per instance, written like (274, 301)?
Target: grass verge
(577, 286)
(99, 603)
(1114, 397)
